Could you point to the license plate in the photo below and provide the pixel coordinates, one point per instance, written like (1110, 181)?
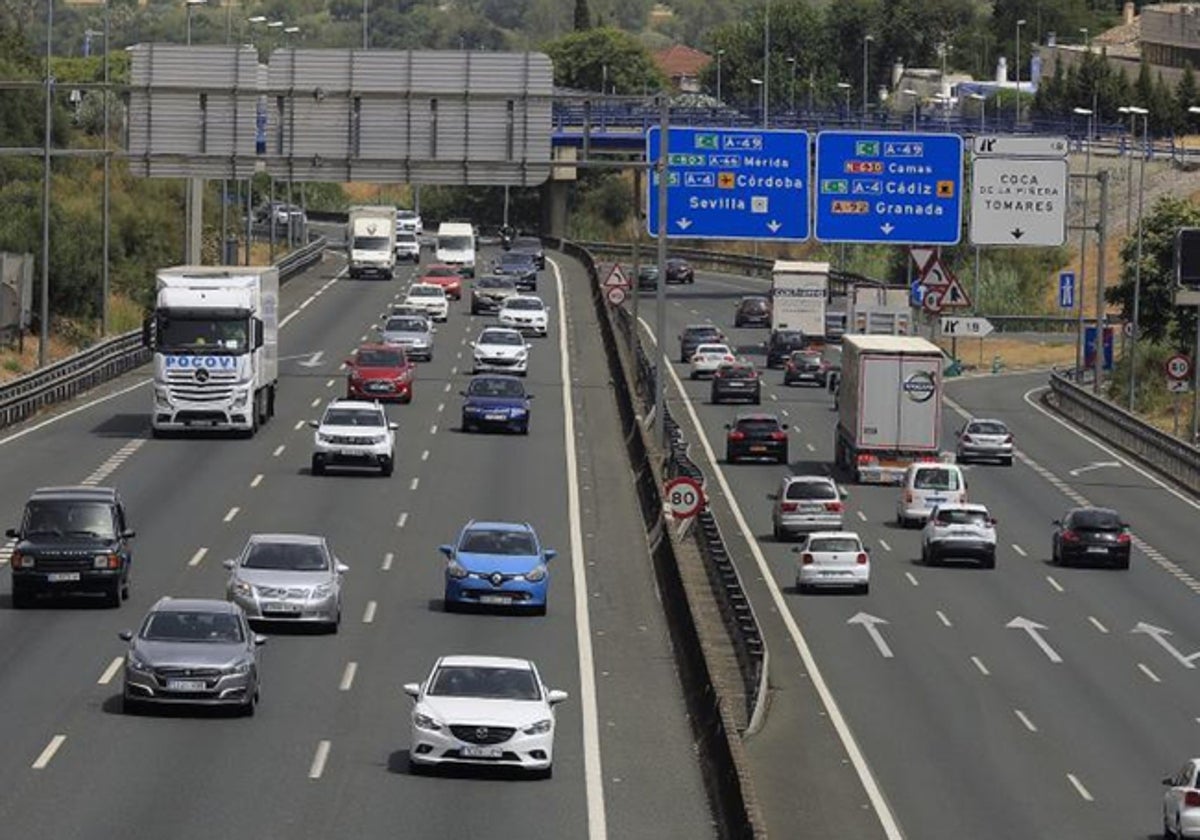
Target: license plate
(1097, 549)
(758, 449)
(494, 599)
(494, 417)
(481, 752)
(377, 386)
(62, 577)
(281, 606)
(186, 685)
(811, 508)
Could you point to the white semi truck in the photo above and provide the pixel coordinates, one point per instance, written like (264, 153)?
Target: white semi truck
(889, 401)
(371, 242)
(799, 294)
(215, 336)
(879, 310)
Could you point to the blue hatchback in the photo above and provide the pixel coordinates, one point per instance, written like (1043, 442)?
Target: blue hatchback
(497, 564)
(496, 402)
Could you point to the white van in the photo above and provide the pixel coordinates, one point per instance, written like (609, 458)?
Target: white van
(928, 484)
(456, 246)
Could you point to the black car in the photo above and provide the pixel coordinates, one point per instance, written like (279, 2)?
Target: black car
(72, 539)
(736, 381)
(489, 292)
(756, 436)
(804, 366)
(530, 245)
(647, 276)
(695, 335)
(520, 267)
(753, 311)
(679, 271)
(1091, 534)
(782, 344)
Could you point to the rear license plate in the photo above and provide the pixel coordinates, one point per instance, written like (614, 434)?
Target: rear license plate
(758, 449)
(812, 508)
(494, 599)
(186, 685)
(1097, 549)
(481, 752)
(62, 577)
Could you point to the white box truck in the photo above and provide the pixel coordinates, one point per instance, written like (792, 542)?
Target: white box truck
(371, 240)
(879, 310)
(214, 332)
(889, 399)
(456, 246)
(799, 293)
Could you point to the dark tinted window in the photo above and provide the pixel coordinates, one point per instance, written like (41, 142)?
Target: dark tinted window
(441, 271)
(962, 517)
(788, 337)
(497, 683)
(296, 557)
(737, 371)
(758, 426)
(811, 490)
(495, 283)
(485, 541)
(832, 544)
(380, 358)
(702, 333)
(406, 325)
(495, 388)
(987, 428)
(62, 518)
(173, 626)
(753, 305)
(352, 417)
(1096, 520)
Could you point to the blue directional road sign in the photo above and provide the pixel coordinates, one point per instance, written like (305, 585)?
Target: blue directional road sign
(732, 184)
(1089, 348)
(891, 188)
(1066, 290)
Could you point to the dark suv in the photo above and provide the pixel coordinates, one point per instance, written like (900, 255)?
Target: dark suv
(756, 436)
(679, 271)
(72, 539)
(695, 335)
(782, 344)
(753, 310)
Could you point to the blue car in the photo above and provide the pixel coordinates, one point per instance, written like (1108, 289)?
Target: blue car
(520, 267)
(497, 564)
(496, 402)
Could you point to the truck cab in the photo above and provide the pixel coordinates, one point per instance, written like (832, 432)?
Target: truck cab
(371, 240)
(456, 246)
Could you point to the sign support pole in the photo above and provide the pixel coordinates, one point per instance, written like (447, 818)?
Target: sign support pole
(1098, 356)
(637, 259)
(660, 289)
(1196, 384)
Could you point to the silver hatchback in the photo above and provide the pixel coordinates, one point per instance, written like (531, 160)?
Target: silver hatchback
(807, 503)
(982, 440)
(412, 332)
(287, 577)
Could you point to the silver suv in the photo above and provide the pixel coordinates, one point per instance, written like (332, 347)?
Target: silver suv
(959, 530)
(807, 503)
(354, 433)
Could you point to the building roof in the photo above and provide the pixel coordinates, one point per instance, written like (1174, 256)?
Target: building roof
(679, 61)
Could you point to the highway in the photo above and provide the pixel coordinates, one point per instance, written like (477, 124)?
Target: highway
(326, 755)
(1028, 701)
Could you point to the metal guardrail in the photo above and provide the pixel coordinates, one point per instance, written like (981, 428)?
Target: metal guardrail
(101, 362)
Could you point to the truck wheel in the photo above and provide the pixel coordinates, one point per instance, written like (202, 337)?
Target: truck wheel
(260, 407)
(271, 402)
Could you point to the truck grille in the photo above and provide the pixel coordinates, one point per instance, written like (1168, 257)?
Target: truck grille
(216, 386)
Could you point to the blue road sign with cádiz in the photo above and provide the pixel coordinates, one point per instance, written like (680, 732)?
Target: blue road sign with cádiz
(889, 187)
(731, 184)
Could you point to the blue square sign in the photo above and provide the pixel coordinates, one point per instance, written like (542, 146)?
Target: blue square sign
(727, 183)
(1066, 290)
(889, 188)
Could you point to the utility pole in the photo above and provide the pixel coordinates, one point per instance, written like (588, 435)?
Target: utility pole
(105, 212)
(1102, 234)
(661, 362)
(44, 332)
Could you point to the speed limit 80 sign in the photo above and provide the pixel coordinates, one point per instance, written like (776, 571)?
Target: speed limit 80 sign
(684, 496)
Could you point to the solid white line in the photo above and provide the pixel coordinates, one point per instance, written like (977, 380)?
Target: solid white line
(403, 519)
(1019, 550)
(233, 511)
(110, 671)
(348, 676)
(48, 753)
(413, 484)
(198, 556)
(979, 664)
(80, 408)
(425, 455)
(911, 578)
(1025, 720)
(1148, 672)
(942, 617)
(257, 480)
(1096, 623)
(885, 545)
(318, 762)
(1079, 788)
(1054, 583)
(883, 811)
(387, 561)
(278, 451)
(592, 768)
(369, 612)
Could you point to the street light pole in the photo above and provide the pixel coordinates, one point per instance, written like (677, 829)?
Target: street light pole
(1087, 181)
(792, 61)
(910, 92)
(365, 12)
(766, 79)
(845, 88)
(1017, 68)
(867, 39)
(720, 53)
(762, 98)
(1137, 269)
(44, 327)
(1127, 109)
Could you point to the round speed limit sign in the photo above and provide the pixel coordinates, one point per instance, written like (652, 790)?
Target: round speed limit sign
(1179, 366)
(685, 497)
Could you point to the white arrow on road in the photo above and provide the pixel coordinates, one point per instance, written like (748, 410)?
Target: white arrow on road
(1095, 465)
(684, 224)
(773, 226)
(1159, 635)
(1032, 628)
(869, 623)
(313, 360)
(887, 228)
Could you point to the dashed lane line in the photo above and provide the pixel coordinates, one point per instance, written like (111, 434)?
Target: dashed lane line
(1054, 583)
(318, 763)
(233, 511)
(198, 557)
(1024, 718)
(942, 618)
(110, 671)
(257, 480)
(369, 612)
(1083, 792)
(348, 676)
(1145, 670)
(387, 562)
(1096, 623)
(48, 753)
(978, 663)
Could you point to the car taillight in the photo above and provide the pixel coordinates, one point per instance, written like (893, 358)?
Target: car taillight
(778, 435)
(1069, 536)
(968, 439)
(791, 365)
(736, 435)
(806, 559)
(862, 558)
(1124, 537)
(728, 358)
(834, 507)
(908, 497)
(1192, 798)
(789, 507)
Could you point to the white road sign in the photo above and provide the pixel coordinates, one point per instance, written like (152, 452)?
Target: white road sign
(616, 278)
(1020, 147)
(615, 295)
(965, 327)
(1018, 201)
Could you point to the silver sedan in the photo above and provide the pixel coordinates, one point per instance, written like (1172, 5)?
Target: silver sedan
(287, 577)
(412, 332)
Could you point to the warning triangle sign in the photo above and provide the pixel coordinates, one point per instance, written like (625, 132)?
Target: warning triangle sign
(616, 277)
(954, 296)
(923, 256)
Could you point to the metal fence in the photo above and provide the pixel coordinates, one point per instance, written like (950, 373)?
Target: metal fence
(108, 359)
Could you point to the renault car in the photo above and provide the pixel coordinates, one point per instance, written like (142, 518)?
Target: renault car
(499, 564)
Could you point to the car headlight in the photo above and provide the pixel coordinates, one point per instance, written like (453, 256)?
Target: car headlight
(324, 438)
(536, 573)
(241, 398)
(136, 663)
(106, 561)
(456, 570)
(162, 397)
(240, 587)
(424, 721)
(242, 666)
(517, 412)
(540, 727)
(521, 354)
(324, 590)
(375, 441)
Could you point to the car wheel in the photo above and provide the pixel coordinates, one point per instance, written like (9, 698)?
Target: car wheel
(251, 706)
(318, 468)
(729, 459)
(125, 590)
(22, 598)
(989, 562)
(714, 399)
(800, 587)
(1123, 563)
(525, 429)
(758, 399)
(1167, 833)
(865, 589)
(924, 555)
(692, 375)
(540, 609)
(449, 605)
(131, 706)
(783, 459)
(112, 598)
(1008, 461)
(778, 533)
(387, 469)
(901, 521)
(544, 773)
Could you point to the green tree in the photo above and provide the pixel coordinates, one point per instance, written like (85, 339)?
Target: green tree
(1186, 97)
(580, 58)
(583, 20)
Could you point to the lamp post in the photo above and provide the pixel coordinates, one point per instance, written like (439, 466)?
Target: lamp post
(867, 39)
(982, 100)
(762, 98)
(365, 14)
(289, 31)
(1087, 173)
(1136, 111)
(845, 88)
(766, 79)
(1087, 42)
(791, 59)
(1193, 110)
(1017, 69)
(720, 53)
(191, 4)
(1126, 109)
(911, 92)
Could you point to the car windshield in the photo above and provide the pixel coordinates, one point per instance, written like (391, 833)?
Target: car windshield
(962, 517)
(788, 337)
(65, 518)
(495, 283)
(508, 339)
(189, 626)
(202, 334)
(703, 333)
(515, 258)
(379, 358)
(527, 243)
(1096, 520)
(406, 236)
(490, 683)
(818, 544)
(489, 541)
(441, 271)
(758, 426)
(936, 478)
(295, 557)
(495, 388)
(426, 291)
(353, 417)
(987, 428)
(712, 349)
(455, 243)
(811, 490)
(754, 304)
(737, 371)
(532, 304)
(406, 325)
(371, 243)
(675, 262)
(406, 214)
(803, 357)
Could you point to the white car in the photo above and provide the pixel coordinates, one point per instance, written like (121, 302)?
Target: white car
(354, 433)
(959, 530)
(926, 485)
(709, 357)
(430, 298)
(526, 313)
(483, 710)
(500, 350)
(807, 503)
(407, 246)
(1181, 802)
(409, 221)
(833, 559)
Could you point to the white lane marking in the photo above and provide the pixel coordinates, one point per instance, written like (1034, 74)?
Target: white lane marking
(348, 676)
(330, 383)
(114, 461)
(198, 556)
(441, 407)
(911, 578)
(447, 388)
(883, 811)
(6, 551)
(783, 411)
(885, 545)
(861, 515)
(1079, 788)
(1096, 623)
(433, 429)
(278, 451)
(257, 480)
(942, 617)
(300, 423)
(1050, 580)
(1025, 720)
(414, 483)
(400, 522)
(454, 370)
(318, 762)
(312, 297)
(1019, 550)
(387, 561)
(810, 447)
(775, 397)
(982, 668)
(110, 671)
(369, 612)
(48, 753)
(593, 770)
(425, 455)
(316, 402)
(233, 511)
(1153, 676)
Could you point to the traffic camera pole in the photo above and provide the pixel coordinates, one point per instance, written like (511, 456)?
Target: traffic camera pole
(660, 288)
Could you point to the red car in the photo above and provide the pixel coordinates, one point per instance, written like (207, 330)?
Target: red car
(446, 276)
(380, 372)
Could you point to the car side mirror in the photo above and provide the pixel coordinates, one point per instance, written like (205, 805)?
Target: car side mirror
(229, 564)
(1169, 782)
(1125, 525)
(1057, 522)
(728, 426)
(783, 425)
(349, 363)
(125, 635)
(393, 425)
(313, 424)
(12, 533)
(433, 329)
(530, 396)
(448, 550)
(413, 690)
(128, 534)
(470, 343)
(528, 346)
(259, 640)
(866, 549)
(555, 696)
(342, 568)
(843, 493)
(462, 393)
(549, 553)
(993, 521)
(774, 497)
